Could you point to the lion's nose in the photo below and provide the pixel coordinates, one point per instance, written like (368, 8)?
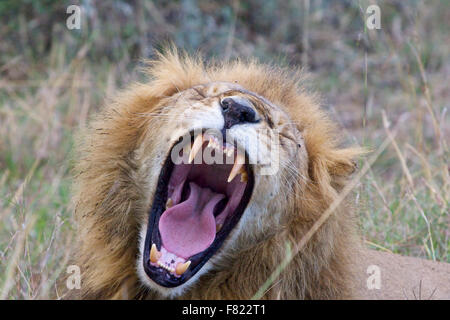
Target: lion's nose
(237, 110)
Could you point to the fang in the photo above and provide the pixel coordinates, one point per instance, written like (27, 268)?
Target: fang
(154, 254)
(182, 267)
(198, 142)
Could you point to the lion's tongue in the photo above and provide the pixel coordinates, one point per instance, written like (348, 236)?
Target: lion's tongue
(189, 227)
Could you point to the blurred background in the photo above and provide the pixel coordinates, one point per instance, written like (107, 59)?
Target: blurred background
(390, 83)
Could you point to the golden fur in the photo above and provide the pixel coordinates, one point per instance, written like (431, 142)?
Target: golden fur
(112, 196)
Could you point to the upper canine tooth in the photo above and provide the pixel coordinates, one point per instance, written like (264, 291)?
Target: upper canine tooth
(198, 142)
(237, 167)
(154, 254)
(169, 203)
(211, 141)
(182, 267)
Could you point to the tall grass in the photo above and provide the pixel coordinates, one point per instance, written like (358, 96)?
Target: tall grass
(381, 85)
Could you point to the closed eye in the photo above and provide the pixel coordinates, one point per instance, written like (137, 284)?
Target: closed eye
(200, 93)
(284, 135)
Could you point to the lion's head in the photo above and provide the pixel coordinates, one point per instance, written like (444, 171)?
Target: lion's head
(195, 183)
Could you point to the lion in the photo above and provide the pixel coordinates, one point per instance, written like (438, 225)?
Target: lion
(157, 219)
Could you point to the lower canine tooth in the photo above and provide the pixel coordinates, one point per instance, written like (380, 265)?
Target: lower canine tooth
(218, 227)
(154, 254)
(182, 267)
(244, 177)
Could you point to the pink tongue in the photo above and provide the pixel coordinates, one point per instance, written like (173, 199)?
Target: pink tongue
(190, 227)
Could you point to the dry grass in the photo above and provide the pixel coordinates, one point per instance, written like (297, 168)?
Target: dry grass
(371, 82)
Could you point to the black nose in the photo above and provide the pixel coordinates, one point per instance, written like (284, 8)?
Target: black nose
(236, 112)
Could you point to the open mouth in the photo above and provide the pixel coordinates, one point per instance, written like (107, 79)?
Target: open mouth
(197, 203)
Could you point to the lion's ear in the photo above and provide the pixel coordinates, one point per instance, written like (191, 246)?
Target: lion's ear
(330, 169)
(335, 162)
(342, 162)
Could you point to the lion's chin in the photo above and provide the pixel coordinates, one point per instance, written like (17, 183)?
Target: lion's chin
(197, 203)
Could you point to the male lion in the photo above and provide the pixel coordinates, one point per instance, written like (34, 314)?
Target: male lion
(157, 219)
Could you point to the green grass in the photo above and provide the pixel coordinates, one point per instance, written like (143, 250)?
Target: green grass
(46, 96)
